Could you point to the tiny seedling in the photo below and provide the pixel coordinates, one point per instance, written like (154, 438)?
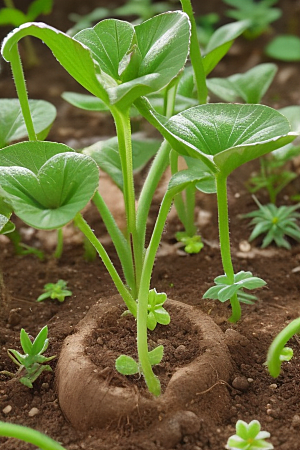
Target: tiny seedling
(192, 244)
(277, 352)
(259, 14)
(56, 291)
(249, 437)
(26, 434)
(32, 362)
(275, 222)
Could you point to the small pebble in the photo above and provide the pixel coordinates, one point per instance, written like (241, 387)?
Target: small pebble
(240, 383)
(244, 246)
(33, 412)
(296, 421)
(180, 352)
(7, 409)
(273, 386)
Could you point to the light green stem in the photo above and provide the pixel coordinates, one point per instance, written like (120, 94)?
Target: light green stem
(221, 183)
(123, 291)
(19, 79)
(190, 200)
(274, 352)
(155, 173)
(142, 309)
(121, 245)
(29, 435)
(178, 200)
(123, 129)
(195, 55)
(60, 243)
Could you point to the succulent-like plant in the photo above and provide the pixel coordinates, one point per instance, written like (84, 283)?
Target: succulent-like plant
(276, 223)
(249, 437)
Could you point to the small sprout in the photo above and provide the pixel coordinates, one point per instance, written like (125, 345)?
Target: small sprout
(55, 291)
(126, 365)
(192, 244)
(224, 290)
(156, 312)
(249, 437)
(32, 362)
(275, 223)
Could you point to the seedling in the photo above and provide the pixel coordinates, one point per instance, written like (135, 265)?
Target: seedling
(260, 14)
(26, 434)
(277, 352)
(119, 63)
(276, 223)
(10, 15)
(32, 363)
(56, 291)
(192, 244)
(249, 437)
(223, 137)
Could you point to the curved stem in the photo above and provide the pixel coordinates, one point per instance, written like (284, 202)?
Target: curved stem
(274, 352)
(221, 183)
(123, 291)
(178, 199)
(190, 201)
(121, 245)
(29, 435)
(142, 309)
(19, 79)
(195, 55)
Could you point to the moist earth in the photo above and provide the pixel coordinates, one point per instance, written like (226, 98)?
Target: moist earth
(251, 393)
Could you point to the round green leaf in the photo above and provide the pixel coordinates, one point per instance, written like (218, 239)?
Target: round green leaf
(126, 365)
(226, 136)
(53, 196)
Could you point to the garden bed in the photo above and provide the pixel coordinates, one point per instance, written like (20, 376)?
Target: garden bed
(249, 392)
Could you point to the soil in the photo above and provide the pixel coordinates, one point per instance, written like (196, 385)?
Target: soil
(250, 393)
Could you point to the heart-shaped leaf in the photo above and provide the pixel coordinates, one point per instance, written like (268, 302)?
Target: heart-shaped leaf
(48, 195)
(126, 365)
(12, 121)
(106, 155)
(225, 136)
(114, 60)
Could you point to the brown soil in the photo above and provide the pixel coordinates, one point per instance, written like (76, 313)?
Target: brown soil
(250, 393)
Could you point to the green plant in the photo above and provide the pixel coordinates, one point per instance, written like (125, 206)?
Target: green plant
(249, 437)
(260, 14)
(119, 63)
(27, 434)
(223, 137)
(55, 291)
(277, 352)
(276, 223)
(10, 15)
(32, 363)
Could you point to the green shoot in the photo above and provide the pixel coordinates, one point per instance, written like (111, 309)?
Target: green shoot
(56, 291)
(277, 352)
(275, 223)
(32, 362)
(27, 434)
(249, 437)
